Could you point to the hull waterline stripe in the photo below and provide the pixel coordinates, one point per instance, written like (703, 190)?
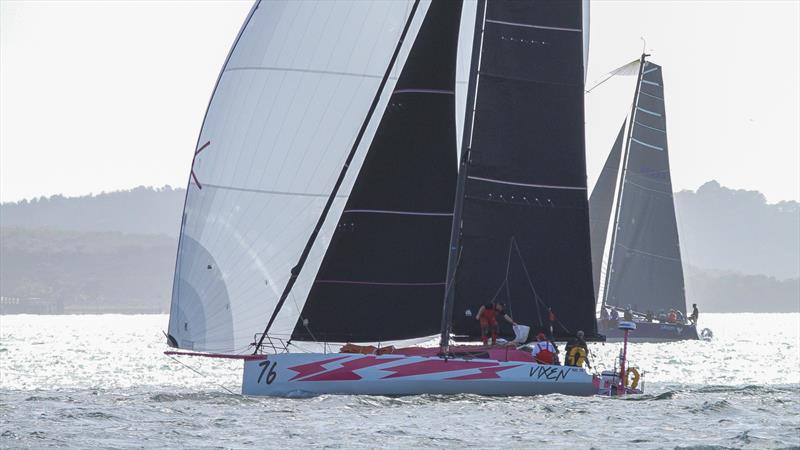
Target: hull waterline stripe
(402, 213)
(545, 186)
(540, 27)
(265, 191)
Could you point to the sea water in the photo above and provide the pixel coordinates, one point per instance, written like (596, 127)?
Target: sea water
(102, 381)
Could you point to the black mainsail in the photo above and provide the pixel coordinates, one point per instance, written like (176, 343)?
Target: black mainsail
(521, 227)
(644, 269)
(382, 277)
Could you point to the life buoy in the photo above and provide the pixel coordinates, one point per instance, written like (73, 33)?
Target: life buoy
(635, 381)
(576, 356)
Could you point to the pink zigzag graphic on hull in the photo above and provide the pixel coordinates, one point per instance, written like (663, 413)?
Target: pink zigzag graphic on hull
(346, 372)
(485, 373)
(305, 370)
(434, 366)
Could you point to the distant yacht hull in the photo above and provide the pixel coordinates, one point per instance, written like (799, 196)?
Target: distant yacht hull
(649, 332)
(298, 374)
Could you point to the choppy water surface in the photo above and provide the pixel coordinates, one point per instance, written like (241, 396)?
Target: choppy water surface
(102, 381)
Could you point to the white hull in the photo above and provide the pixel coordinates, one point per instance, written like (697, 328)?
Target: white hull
(291, 374)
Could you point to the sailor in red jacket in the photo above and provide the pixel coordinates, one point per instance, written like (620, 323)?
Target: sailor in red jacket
(487, 316)
(544, 352)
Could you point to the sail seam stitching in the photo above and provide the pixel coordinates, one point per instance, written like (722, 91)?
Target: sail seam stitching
(667, 194)
(424, 91)
(381, 283)
(404, 213)
(289, 69)
(265, 191)
(513, 183)
(540, 27)
(648, 253)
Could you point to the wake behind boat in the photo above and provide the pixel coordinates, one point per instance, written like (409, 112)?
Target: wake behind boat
(328, 202)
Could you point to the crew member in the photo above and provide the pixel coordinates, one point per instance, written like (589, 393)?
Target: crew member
(577, 351)
(544, 352)
(695, 314)
(487, 316)
(614, 314)
(673, 316)
(551, 317)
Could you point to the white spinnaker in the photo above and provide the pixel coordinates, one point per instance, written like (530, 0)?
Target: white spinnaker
(586, 14)
(466, 35)
(285, 113)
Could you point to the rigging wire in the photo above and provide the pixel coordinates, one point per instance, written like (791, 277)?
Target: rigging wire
(199, 373)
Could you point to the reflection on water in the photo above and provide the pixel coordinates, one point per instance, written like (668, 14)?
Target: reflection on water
(102, 380)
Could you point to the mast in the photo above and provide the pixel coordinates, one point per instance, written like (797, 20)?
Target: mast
(621, 183)
(295, 271)
(466, 144)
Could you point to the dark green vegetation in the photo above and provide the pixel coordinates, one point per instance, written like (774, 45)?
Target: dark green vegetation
(115, 252)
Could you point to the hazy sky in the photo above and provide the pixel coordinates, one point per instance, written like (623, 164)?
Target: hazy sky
(99, 96)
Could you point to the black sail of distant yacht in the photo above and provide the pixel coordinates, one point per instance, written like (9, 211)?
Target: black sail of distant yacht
(645, 269)
(383, 275)
(521, 231)
(601, 203)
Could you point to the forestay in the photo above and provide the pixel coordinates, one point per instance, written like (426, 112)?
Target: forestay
(290, 100)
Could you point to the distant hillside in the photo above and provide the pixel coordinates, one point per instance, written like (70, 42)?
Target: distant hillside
(142, 210)
(115, 252)
(86, 271)
(718, 291)
(737, 230)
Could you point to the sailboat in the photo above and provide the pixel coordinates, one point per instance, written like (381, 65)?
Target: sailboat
(643, 276)
(328, 202)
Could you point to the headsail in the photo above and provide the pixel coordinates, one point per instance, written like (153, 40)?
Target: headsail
(383, 275)
(645, 265)
(524, 230)
(286, 110)
(600, 204)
